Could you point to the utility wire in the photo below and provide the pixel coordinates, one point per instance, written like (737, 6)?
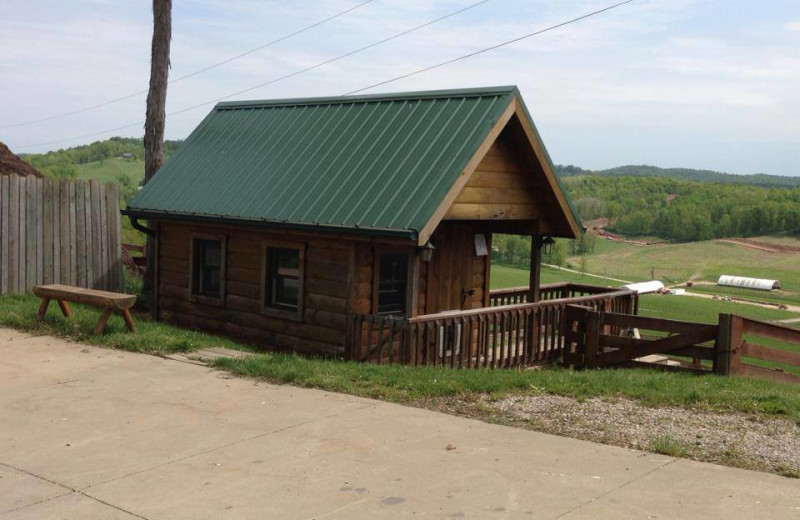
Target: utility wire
(191, 74)
(487, 49)
(279, 78)
(396, 78)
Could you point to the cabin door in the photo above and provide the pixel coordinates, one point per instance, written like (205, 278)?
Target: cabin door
(456, 274)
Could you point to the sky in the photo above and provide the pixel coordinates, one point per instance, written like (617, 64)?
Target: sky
(707, 84)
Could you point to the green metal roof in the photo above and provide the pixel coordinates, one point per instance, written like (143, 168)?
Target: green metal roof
(376, 163)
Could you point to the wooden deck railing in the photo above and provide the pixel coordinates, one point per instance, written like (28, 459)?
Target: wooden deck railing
(551, 291)
(503, 336)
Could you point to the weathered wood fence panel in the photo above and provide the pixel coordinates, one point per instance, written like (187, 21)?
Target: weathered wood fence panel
(59, 231)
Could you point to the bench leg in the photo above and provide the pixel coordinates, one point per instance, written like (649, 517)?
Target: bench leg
(103, 320)
(43, 307)
(64, 308)
(126, 315)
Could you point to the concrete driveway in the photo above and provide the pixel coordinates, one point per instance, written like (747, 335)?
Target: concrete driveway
(96, 433)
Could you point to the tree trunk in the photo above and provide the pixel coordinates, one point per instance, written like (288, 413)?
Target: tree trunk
(156, 115)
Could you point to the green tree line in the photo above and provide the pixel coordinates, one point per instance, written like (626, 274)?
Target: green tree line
(61, 163)
(683, 211)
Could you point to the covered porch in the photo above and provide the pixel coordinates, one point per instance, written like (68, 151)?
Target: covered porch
(515, 331)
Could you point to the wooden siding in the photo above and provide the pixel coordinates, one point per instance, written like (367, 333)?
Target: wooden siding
(325, 295)
(500, 188)
(455, 268)
(59, 232)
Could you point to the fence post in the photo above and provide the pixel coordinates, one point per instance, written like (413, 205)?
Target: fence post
(728, 344)
(591, 339)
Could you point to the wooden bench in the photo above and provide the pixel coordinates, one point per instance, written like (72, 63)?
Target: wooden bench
(109, 301)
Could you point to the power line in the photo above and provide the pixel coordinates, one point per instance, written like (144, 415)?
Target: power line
(191, 74)
(487, 49)
(391, 80)
(279, 78)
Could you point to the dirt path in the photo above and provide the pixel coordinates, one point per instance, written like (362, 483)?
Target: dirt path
(791, 308)
(761, 246)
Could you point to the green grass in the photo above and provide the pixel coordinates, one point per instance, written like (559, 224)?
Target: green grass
(19, 312)
(666, 445)
(707, 260)
(689, 308)
(777, 296)
(406, 384)
(109, 169)
(507, 276)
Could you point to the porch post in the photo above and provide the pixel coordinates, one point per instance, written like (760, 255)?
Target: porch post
(536, 265)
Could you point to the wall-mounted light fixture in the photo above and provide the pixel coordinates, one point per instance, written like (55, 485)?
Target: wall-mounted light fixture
(546, 243)
(427, 252)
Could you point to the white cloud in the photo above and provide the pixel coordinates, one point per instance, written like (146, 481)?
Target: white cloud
(792, 26)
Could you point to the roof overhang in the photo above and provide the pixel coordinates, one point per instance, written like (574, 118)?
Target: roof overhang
(408, 234)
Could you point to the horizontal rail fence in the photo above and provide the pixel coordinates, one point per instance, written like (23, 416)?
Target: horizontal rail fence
(596, 339)
(735, 328)
(599, 339)
(516, 335)
(59, 231)
(551, 291)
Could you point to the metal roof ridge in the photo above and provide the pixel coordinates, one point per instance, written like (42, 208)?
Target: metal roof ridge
(389, 96)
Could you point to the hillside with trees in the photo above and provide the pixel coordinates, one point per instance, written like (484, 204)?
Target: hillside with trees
(687, 174)
(684, 211)
(64, 163)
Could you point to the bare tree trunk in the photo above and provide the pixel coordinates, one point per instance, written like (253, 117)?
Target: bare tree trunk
(156, 115)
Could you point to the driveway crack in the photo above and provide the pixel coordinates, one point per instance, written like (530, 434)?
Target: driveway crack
(624, 484)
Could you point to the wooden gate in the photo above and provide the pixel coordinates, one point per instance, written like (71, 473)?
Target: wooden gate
(605, 339)
(595, 339)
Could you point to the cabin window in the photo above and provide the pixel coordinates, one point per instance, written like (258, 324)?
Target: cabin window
(282, 293)
(392, 274)
(207, 268)
(284, 278)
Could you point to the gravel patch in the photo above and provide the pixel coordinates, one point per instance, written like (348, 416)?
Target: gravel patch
(733, 439)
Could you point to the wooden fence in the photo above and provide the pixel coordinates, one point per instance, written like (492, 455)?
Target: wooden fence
(596, 339)
(740, 335)
(506, 336)
(58, 231)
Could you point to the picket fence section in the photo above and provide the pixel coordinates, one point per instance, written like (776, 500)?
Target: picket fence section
(59, 231)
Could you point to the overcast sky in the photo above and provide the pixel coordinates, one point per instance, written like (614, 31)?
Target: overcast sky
(692, 83)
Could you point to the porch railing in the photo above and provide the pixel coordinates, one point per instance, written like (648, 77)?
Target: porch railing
(519, 334)
(551, 291)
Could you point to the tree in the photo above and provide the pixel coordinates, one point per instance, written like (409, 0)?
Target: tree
(156, 111)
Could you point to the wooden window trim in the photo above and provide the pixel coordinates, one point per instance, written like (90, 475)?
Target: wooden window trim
(377, 252)
(282, 313)
(199, 298)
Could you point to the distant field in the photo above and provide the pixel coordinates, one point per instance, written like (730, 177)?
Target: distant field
(777, 296)
(109, 169)
(674, 307)
(676, 263)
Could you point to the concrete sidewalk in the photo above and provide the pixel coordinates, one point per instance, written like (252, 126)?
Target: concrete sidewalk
(97, 433)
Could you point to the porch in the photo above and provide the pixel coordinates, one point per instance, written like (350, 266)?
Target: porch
(510, 333)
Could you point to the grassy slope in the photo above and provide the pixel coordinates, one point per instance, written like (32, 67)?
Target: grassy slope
(706, 260)
(109, 169)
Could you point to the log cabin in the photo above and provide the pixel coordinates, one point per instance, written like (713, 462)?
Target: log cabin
(329, 226)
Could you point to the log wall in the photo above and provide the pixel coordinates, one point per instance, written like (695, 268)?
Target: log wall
(239, 314)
